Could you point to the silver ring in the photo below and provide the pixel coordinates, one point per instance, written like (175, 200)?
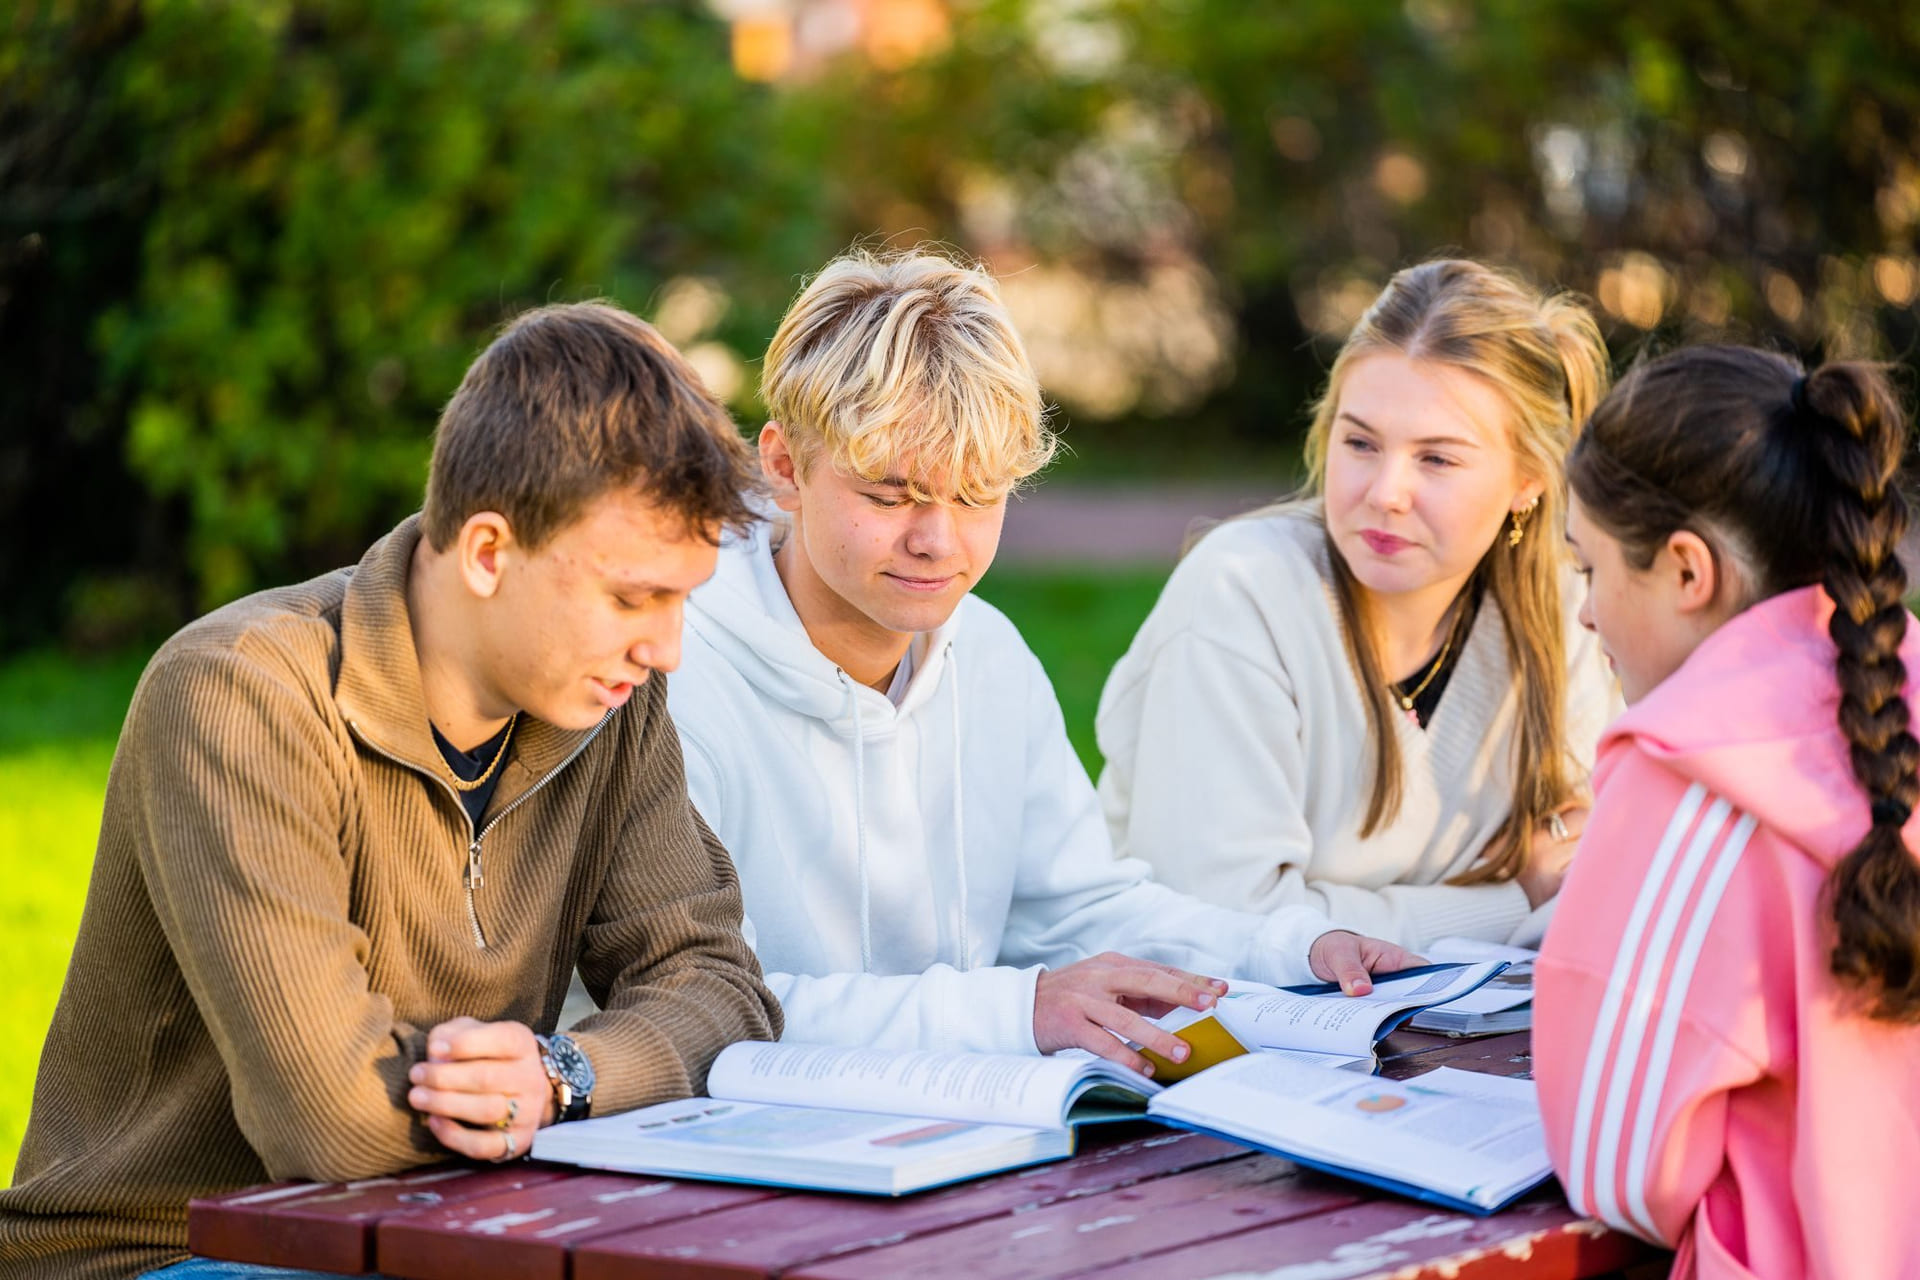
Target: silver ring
(1557, 827)
(513, 1114)
(513, 1148)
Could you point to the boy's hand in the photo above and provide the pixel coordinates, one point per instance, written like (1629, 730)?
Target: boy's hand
(1086, 1004)
(482, 1088)
(1345, 957)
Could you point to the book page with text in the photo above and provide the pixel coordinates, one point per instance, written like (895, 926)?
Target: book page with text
(988, 1088)
(1472, 1139)
(1337, 1023)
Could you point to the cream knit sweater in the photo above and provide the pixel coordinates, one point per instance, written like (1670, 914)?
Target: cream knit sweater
(1237, 756)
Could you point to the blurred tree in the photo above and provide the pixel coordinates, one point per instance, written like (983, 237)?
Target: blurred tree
(245, 250)
(295, 223)
(70, 221)
(1750, 170)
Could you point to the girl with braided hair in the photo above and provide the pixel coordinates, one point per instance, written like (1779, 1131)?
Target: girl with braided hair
(1728, 1034)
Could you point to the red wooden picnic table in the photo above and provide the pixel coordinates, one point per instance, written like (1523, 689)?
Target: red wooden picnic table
(1137, 1202)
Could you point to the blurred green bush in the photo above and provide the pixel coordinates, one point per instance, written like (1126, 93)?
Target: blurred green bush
(259, 243)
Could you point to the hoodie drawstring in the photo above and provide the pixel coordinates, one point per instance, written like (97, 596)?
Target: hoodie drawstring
(959, 793)
(860, 824)
(860, 816)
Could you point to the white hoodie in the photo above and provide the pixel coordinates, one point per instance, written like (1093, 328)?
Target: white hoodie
(907, 871)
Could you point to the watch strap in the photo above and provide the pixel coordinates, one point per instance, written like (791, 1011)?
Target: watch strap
(572, 1099)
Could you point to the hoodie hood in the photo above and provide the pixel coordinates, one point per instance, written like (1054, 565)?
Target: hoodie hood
(746, 617)
(744, 613)
(1753, 713)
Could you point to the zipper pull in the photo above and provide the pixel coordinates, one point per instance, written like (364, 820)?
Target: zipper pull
(475, 877)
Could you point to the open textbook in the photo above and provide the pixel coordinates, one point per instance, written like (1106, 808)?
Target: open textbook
(1504, 1004)
(881, 1121)
(1458, 1138)
(1317, 1025)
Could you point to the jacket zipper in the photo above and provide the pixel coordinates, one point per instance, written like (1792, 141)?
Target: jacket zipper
(474, 877)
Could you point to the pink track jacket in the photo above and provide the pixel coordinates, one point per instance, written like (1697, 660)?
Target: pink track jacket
(1706, 1084)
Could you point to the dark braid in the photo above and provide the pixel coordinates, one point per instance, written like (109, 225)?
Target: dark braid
(1875, 891)
(1797, 477)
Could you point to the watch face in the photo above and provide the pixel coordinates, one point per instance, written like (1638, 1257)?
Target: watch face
(572, 1064)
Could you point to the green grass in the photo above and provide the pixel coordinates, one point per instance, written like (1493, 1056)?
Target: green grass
(1078, 623)
(59, 719)
(58, 722)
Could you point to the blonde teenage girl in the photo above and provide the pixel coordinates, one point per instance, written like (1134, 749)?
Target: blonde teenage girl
(1374, 700)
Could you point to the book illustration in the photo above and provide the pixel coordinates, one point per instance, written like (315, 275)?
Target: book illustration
(785, 1129)
(1457, 1138)
(924, 1134)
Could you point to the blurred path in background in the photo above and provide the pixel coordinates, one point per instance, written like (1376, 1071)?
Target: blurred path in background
(1118, 525)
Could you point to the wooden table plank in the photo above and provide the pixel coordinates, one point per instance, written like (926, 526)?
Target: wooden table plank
(527, 1234)
(769, 1239)
(326, 1226)
(1540, 1239)
(1503, 1055)
(1137, 1198)
(1073, 1236)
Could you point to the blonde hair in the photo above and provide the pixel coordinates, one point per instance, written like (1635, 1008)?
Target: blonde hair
(906, 365)
(1544, 355)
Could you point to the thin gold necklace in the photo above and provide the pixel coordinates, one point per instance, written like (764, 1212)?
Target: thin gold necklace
(460, 784)
(1406, 700)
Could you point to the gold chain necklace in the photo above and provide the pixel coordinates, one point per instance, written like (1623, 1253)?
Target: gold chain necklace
(1406, 700)
(460, 784)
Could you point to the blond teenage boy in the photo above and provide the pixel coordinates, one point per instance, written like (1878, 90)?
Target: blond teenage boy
(921, 853)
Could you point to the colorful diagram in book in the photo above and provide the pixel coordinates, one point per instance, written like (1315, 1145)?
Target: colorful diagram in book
(924, 1134)
(727, 1124)
(1455, 1137)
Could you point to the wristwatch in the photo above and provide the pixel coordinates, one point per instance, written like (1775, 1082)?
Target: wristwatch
(570, 1074)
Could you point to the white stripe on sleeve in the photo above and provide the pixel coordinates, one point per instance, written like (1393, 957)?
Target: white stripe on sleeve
(1639, 1010)
(1671, 1003)
(1588, 1106)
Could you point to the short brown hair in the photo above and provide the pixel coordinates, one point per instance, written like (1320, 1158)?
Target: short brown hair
(572, 401)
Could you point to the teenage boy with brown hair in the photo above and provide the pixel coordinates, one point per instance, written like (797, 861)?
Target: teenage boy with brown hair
(360, 831)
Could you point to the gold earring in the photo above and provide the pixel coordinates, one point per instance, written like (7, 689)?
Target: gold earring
(1520, 517)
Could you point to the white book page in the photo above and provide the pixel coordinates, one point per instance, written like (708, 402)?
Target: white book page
(1323, 1061)
(1335, 1023)
(989, 1088)
(1509, 989)
(1475, 1144)
(1474, 950)
(797, 1146)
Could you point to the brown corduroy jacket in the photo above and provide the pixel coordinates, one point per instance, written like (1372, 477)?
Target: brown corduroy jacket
(278, 913)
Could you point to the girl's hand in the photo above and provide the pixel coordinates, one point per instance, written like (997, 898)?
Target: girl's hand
(1345, 957)
(1551, 852)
